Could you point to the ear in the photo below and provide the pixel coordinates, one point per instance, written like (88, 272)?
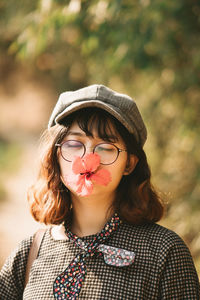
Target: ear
(131, 164)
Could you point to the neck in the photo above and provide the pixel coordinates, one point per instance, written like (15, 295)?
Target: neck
(90, 214)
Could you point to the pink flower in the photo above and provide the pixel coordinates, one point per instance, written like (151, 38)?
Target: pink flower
(85, 172)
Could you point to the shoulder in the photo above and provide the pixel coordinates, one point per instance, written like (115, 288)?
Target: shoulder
(20, 253)
(159, 247)
(163, 245)
(13, 271)
(150, 232)
(151, 237)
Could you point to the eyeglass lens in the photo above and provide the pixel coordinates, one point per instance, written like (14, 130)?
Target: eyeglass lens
(107, 152)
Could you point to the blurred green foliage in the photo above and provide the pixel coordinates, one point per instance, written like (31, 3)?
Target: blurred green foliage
(146, 48)
(10, 154)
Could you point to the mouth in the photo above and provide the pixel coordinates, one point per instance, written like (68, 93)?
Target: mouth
(87, 174)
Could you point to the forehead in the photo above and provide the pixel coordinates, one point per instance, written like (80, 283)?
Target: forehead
(94, 131)
(95, 122)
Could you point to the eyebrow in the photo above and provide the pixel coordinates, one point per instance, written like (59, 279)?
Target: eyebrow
(76, 133)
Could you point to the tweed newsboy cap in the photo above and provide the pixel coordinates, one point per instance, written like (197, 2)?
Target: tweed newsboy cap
(121, 106)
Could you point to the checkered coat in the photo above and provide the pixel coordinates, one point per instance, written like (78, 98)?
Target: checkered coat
(163, 268)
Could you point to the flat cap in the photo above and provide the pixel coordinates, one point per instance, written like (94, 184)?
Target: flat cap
(121, 106)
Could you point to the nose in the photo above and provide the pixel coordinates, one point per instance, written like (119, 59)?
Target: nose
(88, 150)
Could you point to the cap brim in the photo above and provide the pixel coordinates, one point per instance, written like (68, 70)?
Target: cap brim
(93, 103)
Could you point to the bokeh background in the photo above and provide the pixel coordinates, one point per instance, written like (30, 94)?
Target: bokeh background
(149, 49)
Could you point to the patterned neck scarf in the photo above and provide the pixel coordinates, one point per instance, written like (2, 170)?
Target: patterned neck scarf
(68, 284)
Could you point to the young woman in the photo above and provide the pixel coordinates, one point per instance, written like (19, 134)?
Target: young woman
(94, 189)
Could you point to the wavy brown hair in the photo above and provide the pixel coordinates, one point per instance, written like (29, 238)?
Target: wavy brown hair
(136, 201)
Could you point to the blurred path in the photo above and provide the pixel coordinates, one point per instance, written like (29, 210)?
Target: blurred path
(16, 222)
(25, 106)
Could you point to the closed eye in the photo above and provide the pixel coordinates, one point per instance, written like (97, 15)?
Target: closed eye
(105, 149)
(72, 144)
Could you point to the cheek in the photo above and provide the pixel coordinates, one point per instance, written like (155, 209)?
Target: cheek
(117, 172)
(65, 167)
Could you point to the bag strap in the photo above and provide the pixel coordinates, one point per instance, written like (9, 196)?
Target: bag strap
(33, 253)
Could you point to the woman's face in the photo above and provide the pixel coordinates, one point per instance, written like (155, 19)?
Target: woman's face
(122, 166)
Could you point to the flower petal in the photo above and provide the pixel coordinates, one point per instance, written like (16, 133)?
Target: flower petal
(78, 179)
(78, 165)
(86, 188)
(102, 177)
(79, 184)
(72, 180)
(91, 162)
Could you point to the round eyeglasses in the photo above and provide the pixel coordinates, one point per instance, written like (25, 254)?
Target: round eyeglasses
(108, 152)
